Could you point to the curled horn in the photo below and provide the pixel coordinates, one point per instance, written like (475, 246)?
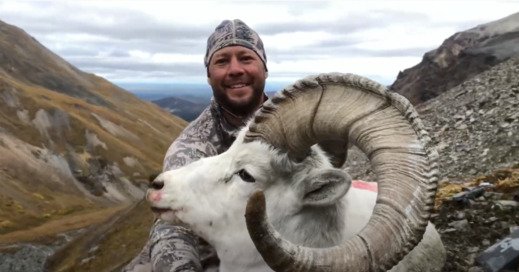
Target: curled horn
(383, 125)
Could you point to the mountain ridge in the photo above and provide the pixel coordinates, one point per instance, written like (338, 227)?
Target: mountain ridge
(30, 62)
(460, 57)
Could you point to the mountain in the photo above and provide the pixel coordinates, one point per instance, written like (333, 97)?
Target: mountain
(459, 58)
(182, 108)
(70, 142)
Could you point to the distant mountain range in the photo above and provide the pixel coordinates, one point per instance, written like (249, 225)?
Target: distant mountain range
(187, 107)
(182, 108)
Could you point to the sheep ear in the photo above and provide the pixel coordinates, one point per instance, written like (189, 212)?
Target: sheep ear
(325, 187)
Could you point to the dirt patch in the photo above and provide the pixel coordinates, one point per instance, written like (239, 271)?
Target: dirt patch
(50, 229)
(109, 246)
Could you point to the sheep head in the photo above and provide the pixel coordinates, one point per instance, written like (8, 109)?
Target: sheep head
(210, 195)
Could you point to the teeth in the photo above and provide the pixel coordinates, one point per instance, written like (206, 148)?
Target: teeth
(237, 86)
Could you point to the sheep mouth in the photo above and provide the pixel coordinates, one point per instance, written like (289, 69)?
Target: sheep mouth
(160, 210)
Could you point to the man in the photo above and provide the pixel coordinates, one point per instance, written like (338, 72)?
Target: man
(236, 71)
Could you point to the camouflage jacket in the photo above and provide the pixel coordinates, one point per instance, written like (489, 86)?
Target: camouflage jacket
(173, 247)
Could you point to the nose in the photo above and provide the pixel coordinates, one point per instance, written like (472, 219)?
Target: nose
(157, 184)
(235, 67)
(154, 196)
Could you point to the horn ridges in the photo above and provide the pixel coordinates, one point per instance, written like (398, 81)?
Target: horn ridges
(385, 126)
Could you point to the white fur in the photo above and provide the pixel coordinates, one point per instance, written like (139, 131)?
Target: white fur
(210, 197)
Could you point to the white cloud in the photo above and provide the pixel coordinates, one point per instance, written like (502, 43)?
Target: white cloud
(373, 67)
(399, 37)
(165, 40)
(176, 58)
(289, 41)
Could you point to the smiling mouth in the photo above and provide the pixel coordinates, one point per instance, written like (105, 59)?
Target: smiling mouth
(237, 86)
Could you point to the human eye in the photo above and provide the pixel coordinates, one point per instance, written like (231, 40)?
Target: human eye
(247, 57)
(220, 60)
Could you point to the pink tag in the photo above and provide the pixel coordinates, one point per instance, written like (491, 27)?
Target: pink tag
(364, 185)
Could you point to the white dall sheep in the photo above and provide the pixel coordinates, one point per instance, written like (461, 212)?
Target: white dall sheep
(317, 221)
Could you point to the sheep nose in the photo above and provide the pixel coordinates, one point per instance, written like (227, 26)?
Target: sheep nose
(157, 184)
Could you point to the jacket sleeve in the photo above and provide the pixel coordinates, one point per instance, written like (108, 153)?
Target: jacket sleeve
(170, 248)
(173, 248)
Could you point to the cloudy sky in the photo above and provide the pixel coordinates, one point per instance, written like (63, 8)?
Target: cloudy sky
(164, 41)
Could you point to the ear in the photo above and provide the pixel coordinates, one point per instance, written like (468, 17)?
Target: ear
(325, 187)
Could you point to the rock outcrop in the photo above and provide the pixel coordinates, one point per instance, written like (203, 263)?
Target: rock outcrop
(460, 57)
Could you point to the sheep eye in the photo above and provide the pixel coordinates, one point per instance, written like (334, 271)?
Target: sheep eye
(245, 176)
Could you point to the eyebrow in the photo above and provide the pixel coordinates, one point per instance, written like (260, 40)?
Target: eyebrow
(239, 53)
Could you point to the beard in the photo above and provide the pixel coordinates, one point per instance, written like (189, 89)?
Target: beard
(241, 106)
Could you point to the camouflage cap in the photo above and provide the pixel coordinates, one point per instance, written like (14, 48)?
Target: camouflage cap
(234, 32)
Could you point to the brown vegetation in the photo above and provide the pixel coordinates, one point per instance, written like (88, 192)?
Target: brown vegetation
(109, 246)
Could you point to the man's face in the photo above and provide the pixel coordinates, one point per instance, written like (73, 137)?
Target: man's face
(237, 76)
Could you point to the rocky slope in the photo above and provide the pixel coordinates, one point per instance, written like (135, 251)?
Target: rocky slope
(475, 127)
(460, 57)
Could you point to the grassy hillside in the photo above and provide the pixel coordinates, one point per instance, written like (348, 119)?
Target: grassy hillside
(71, 143)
